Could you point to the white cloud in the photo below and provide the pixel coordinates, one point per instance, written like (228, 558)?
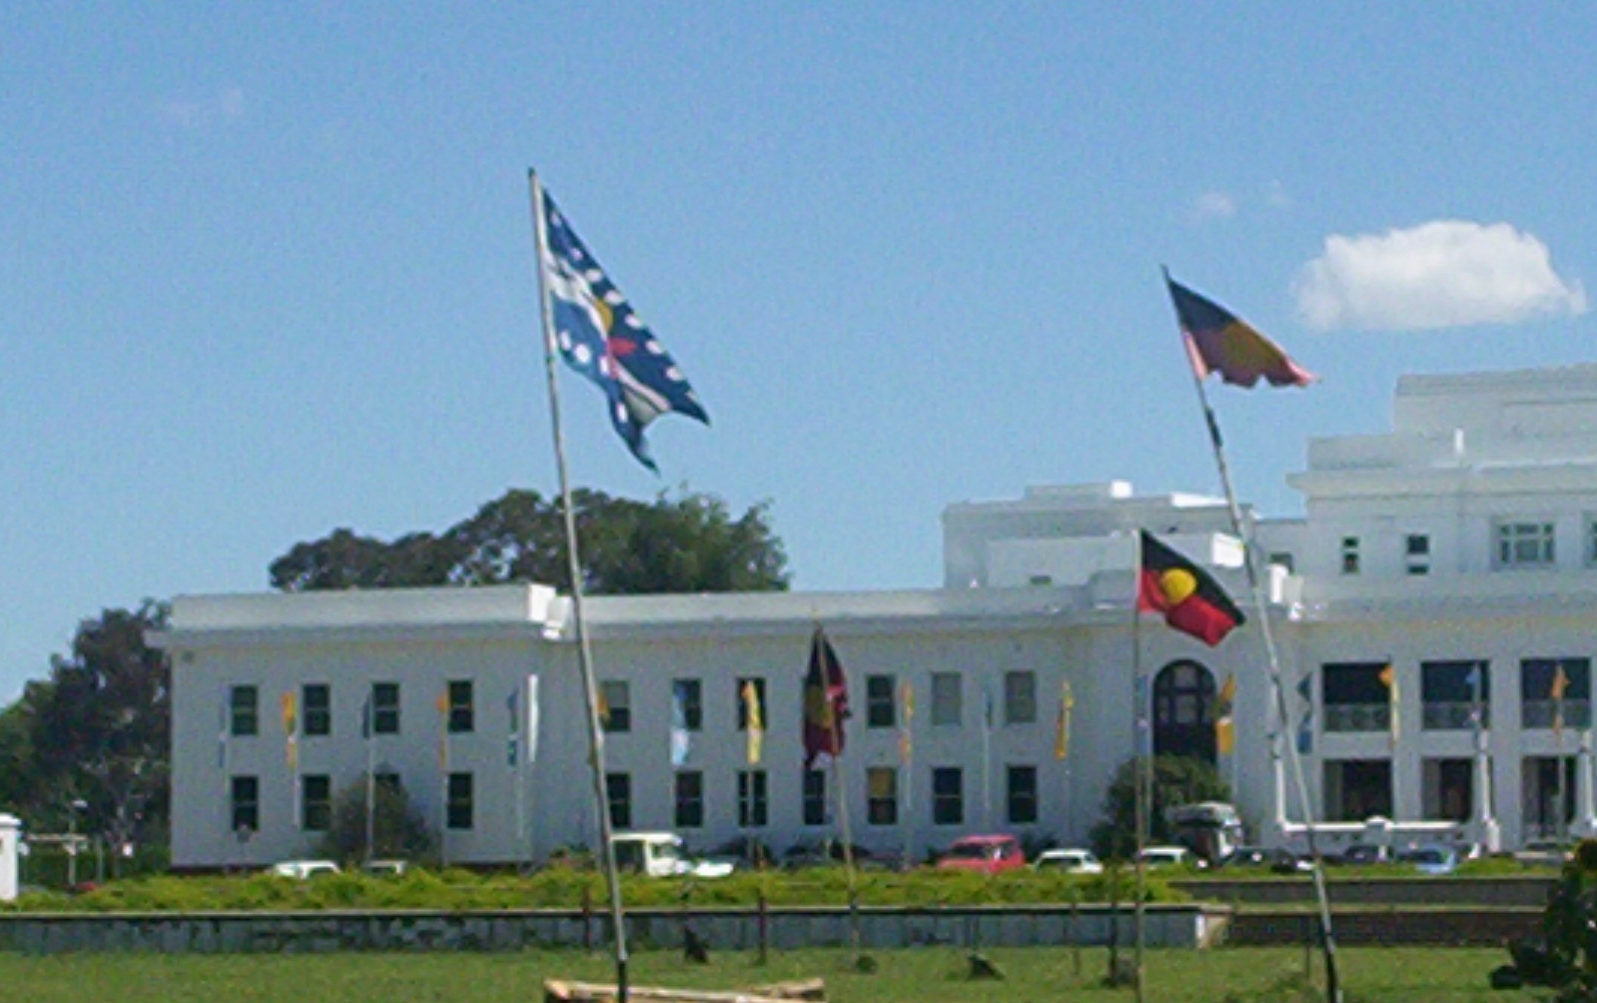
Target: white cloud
(223, 106)
(1213, 205)
(1446, 273)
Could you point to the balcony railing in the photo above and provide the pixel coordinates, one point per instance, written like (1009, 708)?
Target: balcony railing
(1454, 715)
(1358, 717)
(1539, 714)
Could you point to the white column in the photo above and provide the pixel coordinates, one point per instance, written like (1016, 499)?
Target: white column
(10, 835)
(1586, 814)
(1487, 831)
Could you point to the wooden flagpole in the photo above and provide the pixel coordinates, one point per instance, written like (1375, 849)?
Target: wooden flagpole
(1333, 989)
(1142, 735)
(590, 688)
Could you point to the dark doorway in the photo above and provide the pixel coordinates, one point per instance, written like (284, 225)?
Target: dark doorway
(1183, 711)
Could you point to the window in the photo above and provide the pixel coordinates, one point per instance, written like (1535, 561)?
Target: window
(879, 711)
(1417, 553)
(385, 708)
(316, 803)
(814, 797)
(1020, 698)
(1457, 695)
(753, 806)
(1350, 555)
(244, 711)
(459, 806)
(1591, 540)
(615, 705)
(688, 695)
(460, 707)
(759, 698)
(1022, 796)
(945, 698)
(245, 794)
(689, 799)
(948, 797)
(1355, 698)
(1524, 545)
(1283, 558)
(317, 700)
(618, 792)
(389, 782)
(881, 795)
(1546, 701)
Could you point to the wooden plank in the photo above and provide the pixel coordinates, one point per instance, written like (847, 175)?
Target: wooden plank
(565, 991)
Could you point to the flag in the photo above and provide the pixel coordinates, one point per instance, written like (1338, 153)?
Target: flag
(1191, 601)
(1219, 342)
(1306, 723)
(680, 740)
(825, 701)
(1389, 680)
(366, 717)
(906, 740)
(1067, 704)
(1225, 737)
(1560, 684)
(513, 736)
(291, 730)
(600, 336)
(756, 722)
(443, 728)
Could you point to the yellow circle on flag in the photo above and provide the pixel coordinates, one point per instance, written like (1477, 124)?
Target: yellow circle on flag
(1177, 584)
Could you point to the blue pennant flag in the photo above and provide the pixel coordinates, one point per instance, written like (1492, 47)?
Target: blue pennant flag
(600, 336)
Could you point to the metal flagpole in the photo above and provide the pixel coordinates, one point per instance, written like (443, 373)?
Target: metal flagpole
(1141, 764)
(369, 727)
(1333, 989)
(834, 725)
(590, 689)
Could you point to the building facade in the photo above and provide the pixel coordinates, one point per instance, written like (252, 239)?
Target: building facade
(1434, 614)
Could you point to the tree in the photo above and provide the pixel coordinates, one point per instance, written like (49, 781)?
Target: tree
(691, 543)
(398, 830)
(1177, 780)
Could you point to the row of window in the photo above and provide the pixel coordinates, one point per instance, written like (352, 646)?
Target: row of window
(1457, 694)
(753, 803)
(380, 714)
(1515, 544)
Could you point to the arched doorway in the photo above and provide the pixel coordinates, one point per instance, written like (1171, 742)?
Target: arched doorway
(1183, 711)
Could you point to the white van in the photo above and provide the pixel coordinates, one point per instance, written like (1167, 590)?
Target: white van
(660, 855)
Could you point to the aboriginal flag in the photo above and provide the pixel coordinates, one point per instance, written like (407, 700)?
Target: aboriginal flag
(1218, 341)
(825, 701)
(1191, 601)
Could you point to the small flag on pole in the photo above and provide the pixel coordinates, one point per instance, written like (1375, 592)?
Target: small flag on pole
(1220, 342)
(291, 730)
(443, 728)
(1225, 732)
(1067, 704)
(600, 336)
(1305, 735)
(1560, 685)
(680, 739)
(755, 716)
(825, 701)
(1393, 700)
(906, 739)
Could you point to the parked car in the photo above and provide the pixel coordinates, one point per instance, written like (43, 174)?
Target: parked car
(1431, 859)
(1276, 859)
(829, 853)
(662, 855)
(1154, 857)
(1069, 860)
(303, 870)
(987, 854)
(385, 868)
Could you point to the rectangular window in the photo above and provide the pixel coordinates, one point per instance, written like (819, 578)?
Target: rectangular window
(389, 782)
(317, 701)
(1417, 554)
(1022, 795)
(753, 805)
(1591, 540)
(945, 698)
(1457, 695)
(1350, 555)
(1524, 545)
(743, 707)
(385, 708)
(1282, 558)
(245, 794)
(881, 795)
(689, 799)
(461, 714)
(1020, 698)
(948, 796)
(316, 803)
(688, 694)
(615, 705)
(879, 710)
(814, 797)
(1355, 699)
(459, 808)
(618, 792)
(244, 711)
(1548, 701)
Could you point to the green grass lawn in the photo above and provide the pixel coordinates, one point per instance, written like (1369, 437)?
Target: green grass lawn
(927, 975)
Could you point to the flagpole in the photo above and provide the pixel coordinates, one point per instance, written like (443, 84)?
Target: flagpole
(1140, 765)
(1333, 989)
(590, 687)
(834, 726)
(369, 715)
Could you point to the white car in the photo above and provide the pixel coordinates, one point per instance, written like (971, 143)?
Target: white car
(1165, 856)
(1071, 861)
(302, 870)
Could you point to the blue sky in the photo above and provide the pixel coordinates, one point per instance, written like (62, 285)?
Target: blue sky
(266, 269)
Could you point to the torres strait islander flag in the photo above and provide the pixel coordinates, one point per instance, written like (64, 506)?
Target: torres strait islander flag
(1220, 342)
(1191, 601)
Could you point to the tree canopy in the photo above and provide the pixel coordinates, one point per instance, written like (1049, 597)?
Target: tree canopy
(1177, 780)
(691, 543)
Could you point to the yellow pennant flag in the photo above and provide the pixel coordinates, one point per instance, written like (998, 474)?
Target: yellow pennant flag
(1560, 685)
(1225, 727)
(1394, 703)
(291, 729)
(906, 743)
(1067, 704)
(756, 719)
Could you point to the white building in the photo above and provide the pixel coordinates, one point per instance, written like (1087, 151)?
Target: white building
(1460, 550)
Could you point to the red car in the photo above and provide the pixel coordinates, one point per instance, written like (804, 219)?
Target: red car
(986, 854)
